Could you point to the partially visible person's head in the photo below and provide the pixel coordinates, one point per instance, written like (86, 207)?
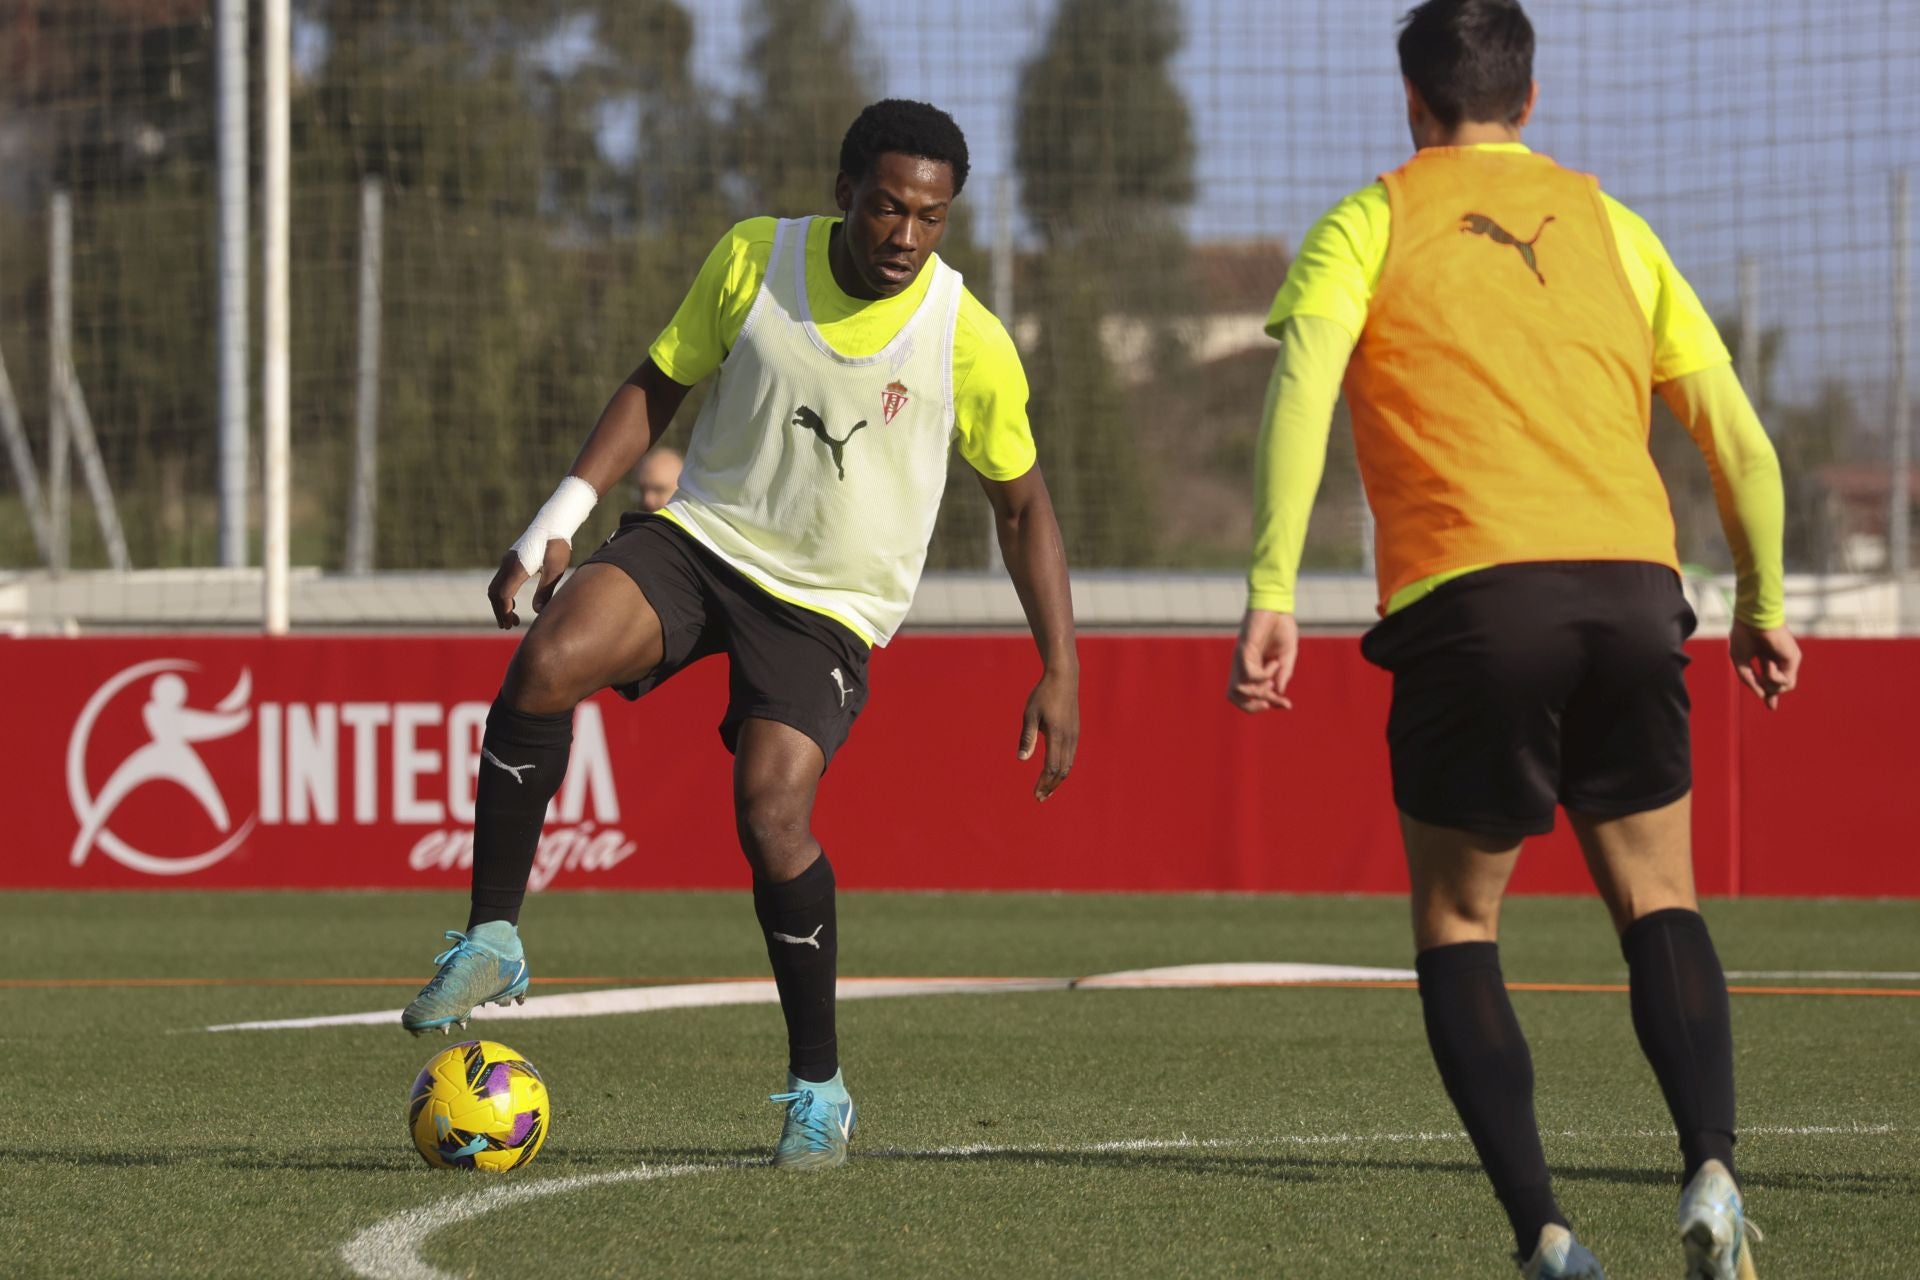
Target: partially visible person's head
(1466, 62)
(657, 475)
(902, 165)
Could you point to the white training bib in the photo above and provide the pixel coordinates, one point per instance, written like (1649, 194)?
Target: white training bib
(818, 475)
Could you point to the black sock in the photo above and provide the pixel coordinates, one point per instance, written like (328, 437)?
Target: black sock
(1686, 1030)
(523, 759)
(797, 917)
(1488, 1072)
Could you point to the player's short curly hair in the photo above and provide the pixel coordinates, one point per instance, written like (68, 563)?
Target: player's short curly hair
(1470, 59)
(908, 128)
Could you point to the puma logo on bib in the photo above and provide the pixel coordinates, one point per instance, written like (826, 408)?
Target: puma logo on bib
(807, 420)
(1480, 224)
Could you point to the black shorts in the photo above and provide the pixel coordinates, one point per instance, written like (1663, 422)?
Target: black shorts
(1526, 685)
(788, 664)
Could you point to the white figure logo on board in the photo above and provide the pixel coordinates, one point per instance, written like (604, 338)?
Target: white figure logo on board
(171, 756)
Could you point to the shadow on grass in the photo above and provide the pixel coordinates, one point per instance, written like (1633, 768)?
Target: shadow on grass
(1280, 1168)
(1286, 1168)
(248, 1158)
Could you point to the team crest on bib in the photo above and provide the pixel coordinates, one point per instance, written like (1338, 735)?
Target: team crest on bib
(892, 400)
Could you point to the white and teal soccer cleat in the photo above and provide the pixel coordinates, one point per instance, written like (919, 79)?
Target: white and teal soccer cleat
(819, 1124)
(1558, 1256)
(1713, 1227)
(481, 967)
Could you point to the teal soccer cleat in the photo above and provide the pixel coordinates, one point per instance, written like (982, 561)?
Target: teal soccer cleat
(1559, 1256)
(1713, 1227)
(486, 965)
(819, 1124)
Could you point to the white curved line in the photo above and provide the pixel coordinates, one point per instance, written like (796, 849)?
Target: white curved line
(390, 1248)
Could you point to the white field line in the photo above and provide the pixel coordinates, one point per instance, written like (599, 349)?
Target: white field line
(702, 995)
(1242, 975)
(390, 1249)
(1828, 975)
(1345, 1140)
(695, 995)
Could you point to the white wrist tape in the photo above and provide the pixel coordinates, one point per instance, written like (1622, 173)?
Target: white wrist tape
(562, 515)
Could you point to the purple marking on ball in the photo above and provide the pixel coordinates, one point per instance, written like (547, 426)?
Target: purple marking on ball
(523, 1125)
(499, 1079)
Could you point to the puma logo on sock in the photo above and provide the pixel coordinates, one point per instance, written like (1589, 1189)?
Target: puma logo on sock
(515, 769)
(811, 940)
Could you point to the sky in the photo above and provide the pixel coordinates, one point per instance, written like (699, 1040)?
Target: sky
(1762, 129)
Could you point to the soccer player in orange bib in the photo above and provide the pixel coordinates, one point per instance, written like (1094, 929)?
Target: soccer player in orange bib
(1499, 322)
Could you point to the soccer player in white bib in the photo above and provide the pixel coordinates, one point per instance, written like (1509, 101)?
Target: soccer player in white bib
(850, 360)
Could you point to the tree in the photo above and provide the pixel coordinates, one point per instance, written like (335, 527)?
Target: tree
(109, 101)
(810, 80)
(1105, 153)
(527, 266)
(1104, 142)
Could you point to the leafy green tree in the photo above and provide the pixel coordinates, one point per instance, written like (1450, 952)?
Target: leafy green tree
(526, 267)
(108, 100)
(810, 79)
(1104, 148)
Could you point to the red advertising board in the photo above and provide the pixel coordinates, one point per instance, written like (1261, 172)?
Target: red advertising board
(349, 761)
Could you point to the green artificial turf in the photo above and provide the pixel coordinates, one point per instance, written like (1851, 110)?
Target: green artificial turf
(1289, 1132)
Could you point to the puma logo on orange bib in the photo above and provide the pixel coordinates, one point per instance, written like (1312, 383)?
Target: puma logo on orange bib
(1481, 225)
(1497, 421)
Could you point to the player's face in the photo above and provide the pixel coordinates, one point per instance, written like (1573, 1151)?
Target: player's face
(659, 476)
(895, 218)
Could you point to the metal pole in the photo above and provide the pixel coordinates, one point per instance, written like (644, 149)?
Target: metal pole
(59, 343)
(1749, 353)
(71, 426)
(230, 132)
(275, 406)
(1899, 537)
(86, 446)
(1003, 309)
(366, 424)
(20, 454)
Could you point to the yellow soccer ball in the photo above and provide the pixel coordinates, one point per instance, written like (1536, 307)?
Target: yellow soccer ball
(478, 1105)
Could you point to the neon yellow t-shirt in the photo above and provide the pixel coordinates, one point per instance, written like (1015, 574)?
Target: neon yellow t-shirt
(989, 384)
(1321, 309)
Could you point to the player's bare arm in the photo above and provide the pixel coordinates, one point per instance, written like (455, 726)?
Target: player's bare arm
(1037, 562)
(636, 416)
